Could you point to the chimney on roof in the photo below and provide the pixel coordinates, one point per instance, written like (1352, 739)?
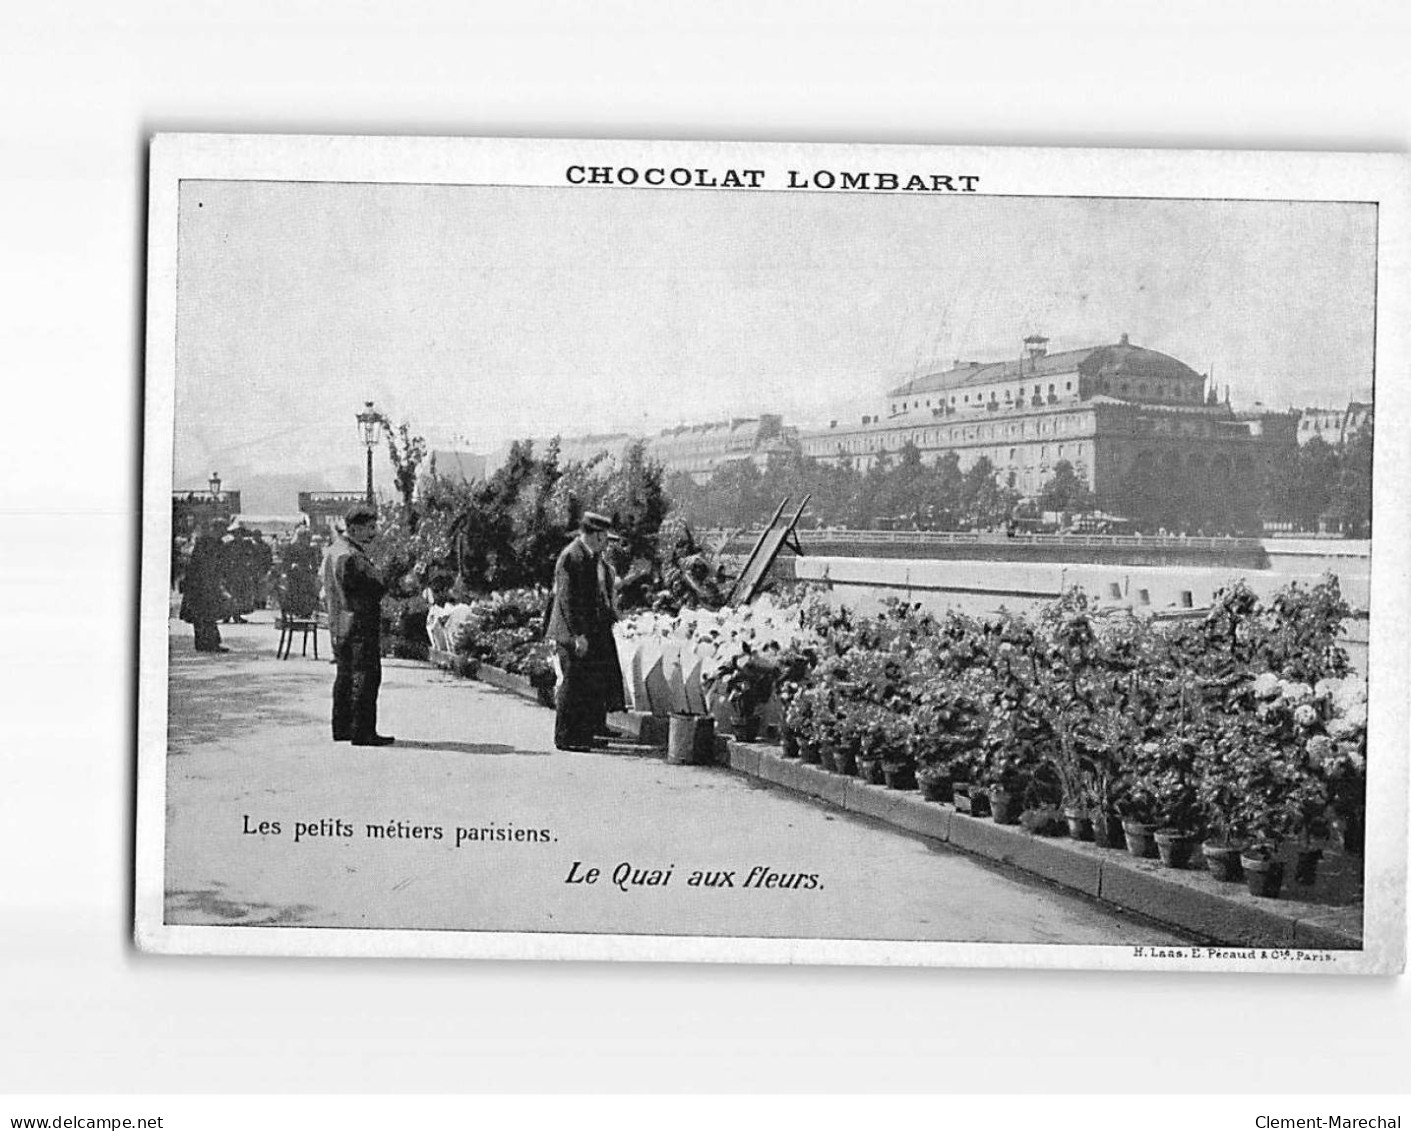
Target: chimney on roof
(1037, 345)
(1123, 340)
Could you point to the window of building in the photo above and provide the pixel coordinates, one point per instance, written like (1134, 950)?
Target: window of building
(1011, 454)
(1068, 386)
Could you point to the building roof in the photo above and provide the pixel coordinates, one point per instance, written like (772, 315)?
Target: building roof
(1121, 359)
(454, 464)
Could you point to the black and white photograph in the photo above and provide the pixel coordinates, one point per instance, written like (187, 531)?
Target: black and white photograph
(772, 553)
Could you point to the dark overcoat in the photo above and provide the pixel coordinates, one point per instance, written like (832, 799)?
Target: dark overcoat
(203, 592)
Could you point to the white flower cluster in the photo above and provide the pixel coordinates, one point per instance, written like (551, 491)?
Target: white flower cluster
(1342, 702)
(723, 638)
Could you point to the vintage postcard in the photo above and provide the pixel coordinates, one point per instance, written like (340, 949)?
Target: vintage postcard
(775, 553)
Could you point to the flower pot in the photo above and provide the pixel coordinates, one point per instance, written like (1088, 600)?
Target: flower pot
(1080, 825)
(788, 743)
(935, 785)
(690, 740)
(808, 753)
(1354, 835)
(827, 760)
(1263, 875)
(1175, 847)
(1004, 807)
(898, 775)
(1305, 867)
(1223, 861)
(1107, 831)
(845, 761)
(972, 800)
(870, 770)
(1140, 840)
(746, 726)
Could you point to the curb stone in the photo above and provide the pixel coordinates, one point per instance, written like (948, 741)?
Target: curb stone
(1181, 899)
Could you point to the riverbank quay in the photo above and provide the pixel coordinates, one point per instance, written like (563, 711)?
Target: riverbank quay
(473, 822)
(1326, 915)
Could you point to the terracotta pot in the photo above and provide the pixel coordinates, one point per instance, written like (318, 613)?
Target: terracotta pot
(788, 743)
(827, 760)
(808, 752)
(746, 727)
(1223, 861)
(1141, 842)
(845, 761)
(870, 770)
(1175, 847)
(1263, 875)
(898, 775)
(1354, 835)
(1107, 831)
(1305, 867)
(935, 786)
(1080, 825)
(1004, 807)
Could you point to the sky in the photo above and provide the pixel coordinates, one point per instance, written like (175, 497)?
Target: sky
(483, 314)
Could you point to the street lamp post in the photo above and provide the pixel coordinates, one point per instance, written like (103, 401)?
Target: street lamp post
(214, 484)
(370, 425)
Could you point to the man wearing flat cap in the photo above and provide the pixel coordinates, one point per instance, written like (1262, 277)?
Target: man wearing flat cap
(580, 625)
(353, 590)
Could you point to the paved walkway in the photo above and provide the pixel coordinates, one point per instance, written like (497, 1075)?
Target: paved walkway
(249, 749)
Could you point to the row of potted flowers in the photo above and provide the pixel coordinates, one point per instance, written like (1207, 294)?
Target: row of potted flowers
(1243, 730)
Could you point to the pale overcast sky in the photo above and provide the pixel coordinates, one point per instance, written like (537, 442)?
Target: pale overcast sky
(483, 314)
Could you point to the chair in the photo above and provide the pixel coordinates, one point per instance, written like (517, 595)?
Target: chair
(290, 624)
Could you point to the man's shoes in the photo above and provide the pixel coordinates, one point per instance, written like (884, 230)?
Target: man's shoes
(374, 740)
(342, 738)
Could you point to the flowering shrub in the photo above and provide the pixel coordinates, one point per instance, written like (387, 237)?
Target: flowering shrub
(504, 630)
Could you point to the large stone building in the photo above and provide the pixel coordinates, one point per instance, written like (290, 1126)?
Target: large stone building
(699, 450)
(1333, 426)
(1118, 413)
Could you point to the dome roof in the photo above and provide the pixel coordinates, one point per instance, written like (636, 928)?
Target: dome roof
(1121, 359)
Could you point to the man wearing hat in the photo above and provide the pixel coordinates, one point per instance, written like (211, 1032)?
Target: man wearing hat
(580, 625)
(353, 591)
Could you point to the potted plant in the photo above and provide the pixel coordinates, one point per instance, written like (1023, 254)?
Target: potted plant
(744, 676)
(947, 725)
(1263, 870)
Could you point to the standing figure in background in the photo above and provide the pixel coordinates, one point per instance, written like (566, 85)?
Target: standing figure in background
(580, 625)
(203, 595)
(298, 583)
(353, 590)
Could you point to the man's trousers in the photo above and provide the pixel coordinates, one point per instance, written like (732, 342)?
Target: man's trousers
(355, 687)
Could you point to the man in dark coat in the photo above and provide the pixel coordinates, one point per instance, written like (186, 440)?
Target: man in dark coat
(580, 625)
(298, 588)
(203, 593)
(353, 590)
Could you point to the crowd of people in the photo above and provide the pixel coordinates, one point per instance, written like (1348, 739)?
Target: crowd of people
(225, 572)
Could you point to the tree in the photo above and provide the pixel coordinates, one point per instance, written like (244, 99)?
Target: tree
(982, 501)
(1352, 496)
(1066, 491)
(406, 453)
